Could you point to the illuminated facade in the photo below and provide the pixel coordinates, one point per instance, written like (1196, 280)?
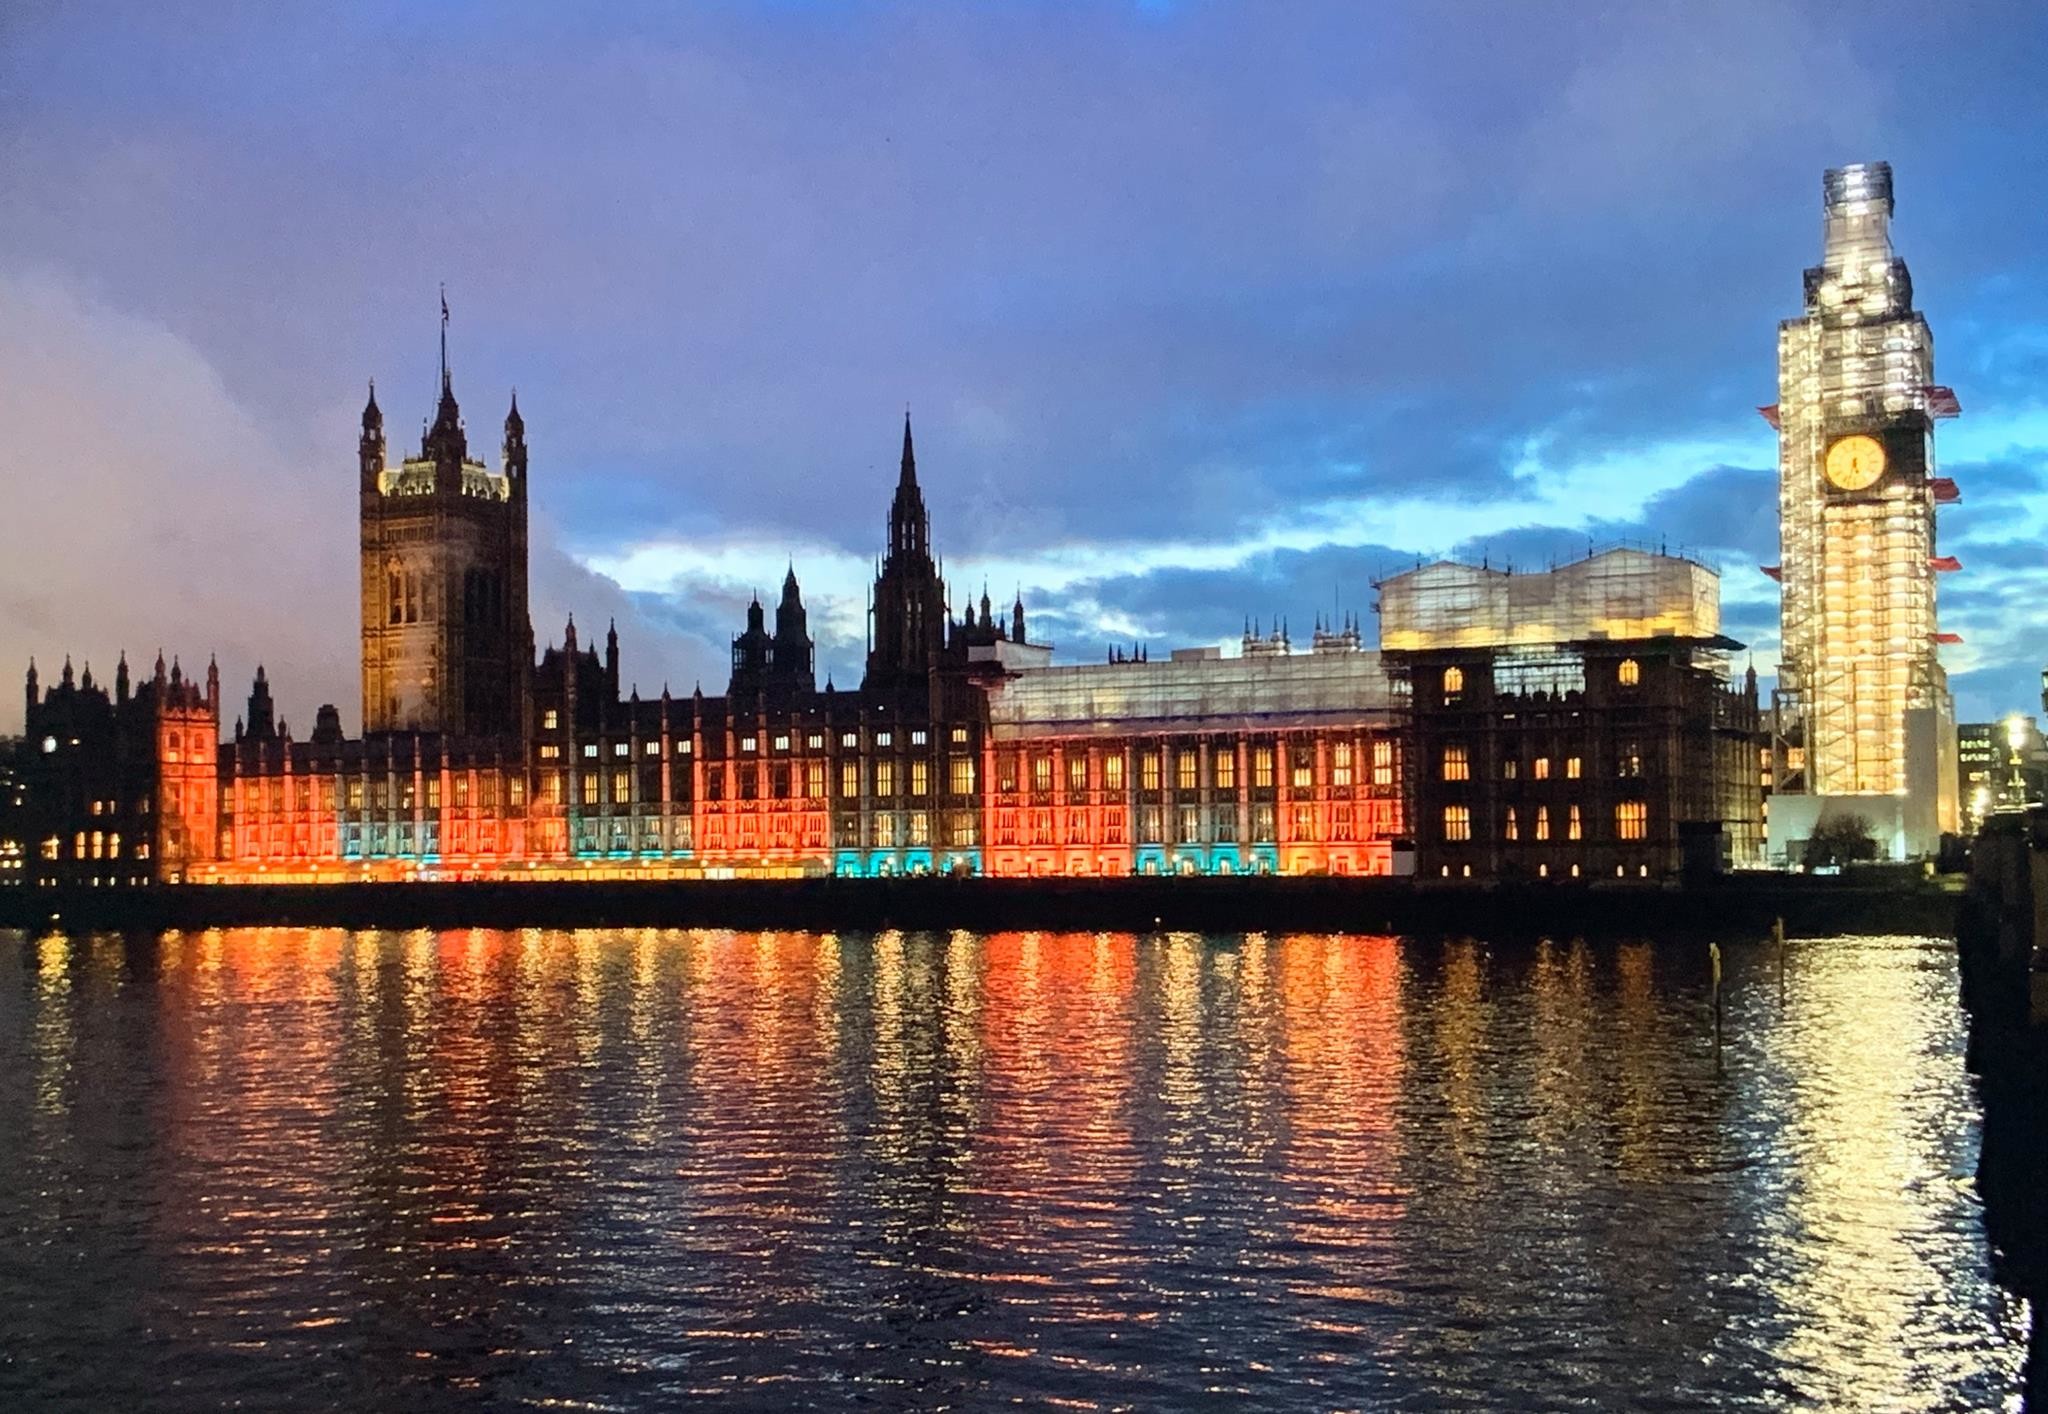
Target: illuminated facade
(1576, 723)
(119, 789)
(1270, 762)
(447, 646)
(1866, 699)
(963, 750)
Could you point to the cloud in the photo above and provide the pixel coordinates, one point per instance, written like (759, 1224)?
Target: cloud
(1188, 293)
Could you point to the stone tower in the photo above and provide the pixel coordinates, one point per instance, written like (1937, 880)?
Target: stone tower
(1861, 679)
(910, 602)
(447, 644)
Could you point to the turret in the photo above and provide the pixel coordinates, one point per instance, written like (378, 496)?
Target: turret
(515, 447)
(29, 687)
(213, 685)
(371, 449)
(262, 712)
(1017, 618)
(611, 661)
(65, 680)
(121, 678)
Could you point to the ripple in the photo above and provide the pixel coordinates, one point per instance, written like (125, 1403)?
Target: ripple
(308, 1169)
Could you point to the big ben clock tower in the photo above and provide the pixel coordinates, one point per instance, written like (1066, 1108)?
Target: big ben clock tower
(1865, 712)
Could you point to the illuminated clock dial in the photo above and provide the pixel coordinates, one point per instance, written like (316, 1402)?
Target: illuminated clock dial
(1854, 462)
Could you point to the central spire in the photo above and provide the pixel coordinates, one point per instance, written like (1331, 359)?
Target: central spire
(909, 528)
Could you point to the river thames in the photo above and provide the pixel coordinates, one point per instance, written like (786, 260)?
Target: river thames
(288, 1169)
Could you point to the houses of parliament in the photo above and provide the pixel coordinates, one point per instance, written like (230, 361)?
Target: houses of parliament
(1616, 750)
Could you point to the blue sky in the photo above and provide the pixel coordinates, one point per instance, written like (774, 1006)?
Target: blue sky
(1205, 311)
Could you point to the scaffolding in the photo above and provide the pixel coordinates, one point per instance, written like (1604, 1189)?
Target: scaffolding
(1619, 592)
(1857, 562)
(1192, 695)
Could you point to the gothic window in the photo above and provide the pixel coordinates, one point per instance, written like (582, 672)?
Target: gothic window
(394, 594)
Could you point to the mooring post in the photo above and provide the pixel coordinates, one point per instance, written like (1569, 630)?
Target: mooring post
(1778, 938)
(1714, 957)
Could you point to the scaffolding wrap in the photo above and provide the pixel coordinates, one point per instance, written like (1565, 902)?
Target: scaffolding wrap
(1203, 694)
(1855, 379)
(1620, 592)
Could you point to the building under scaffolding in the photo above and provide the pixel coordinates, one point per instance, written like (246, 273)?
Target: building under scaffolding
(1268, 762)
(1575, 723)
(1868, 724)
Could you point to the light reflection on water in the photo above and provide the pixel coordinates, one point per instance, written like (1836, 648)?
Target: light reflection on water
(306, 1169)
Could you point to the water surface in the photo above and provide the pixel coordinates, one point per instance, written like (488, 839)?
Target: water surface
(621, 1170)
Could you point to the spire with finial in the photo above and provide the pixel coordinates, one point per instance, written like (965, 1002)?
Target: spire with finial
(444, 441)
(909, 526)
(64, 680)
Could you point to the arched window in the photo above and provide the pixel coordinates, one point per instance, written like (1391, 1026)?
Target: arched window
(1629, 673)
(1454, 683)
(394, 594)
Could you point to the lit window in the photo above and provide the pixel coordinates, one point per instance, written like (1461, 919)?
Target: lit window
(1630, 762)
(849, 779)
(1113, 771)
(959, 735)
(883, 738)
(590, 789)
(590, 750)
(885, 778)
(1512, 829)
(1540, 768)
(1457, 823)
(622, 787)
(1184, 774)
(550, 719)
(1041, 772)
(1542, 822)
(549, 751)
(781, 742)
(1304, 775)
(1148, 777)
(1572, 830)
(849, 738)
(920, 777)
(1510, 768)
(1383, 763)
(1632, 820)
(1454, 683)
(815, 741)
(1571, 767)
(1077, 773)
(654, 748)
(1457, 766)
(1224, 767)
(917, 737)
(962, 775)
(1629, 673)
(1340, 764)
(750, 743)
(1262, 766)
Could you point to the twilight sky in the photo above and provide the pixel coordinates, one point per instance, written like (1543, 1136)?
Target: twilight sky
(1204, 311)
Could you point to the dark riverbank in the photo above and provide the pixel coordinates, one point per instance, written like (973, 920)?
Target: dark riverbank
(1810, 907)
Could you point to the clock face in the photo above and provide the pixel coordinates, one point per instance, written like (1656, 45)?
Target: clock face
(1855, 462)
